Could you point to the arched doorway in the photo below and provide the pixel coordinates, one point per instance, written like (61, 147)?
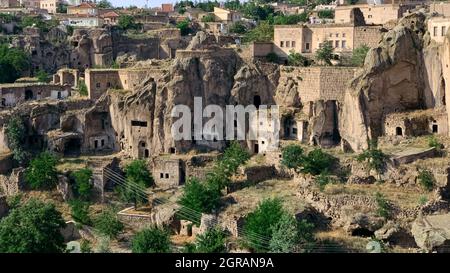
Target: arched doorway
(257, 101)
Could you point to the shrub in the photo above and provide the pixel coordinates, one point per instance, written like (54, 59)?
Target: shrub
(359, 55)
(85, 246)
(384, 209)
(288, 233)
(423, 200)
(272, 57)
(212, 241)
(83, 186)
(82, 88)
(208, 18)
(238, 28)
(184, 28)
(16, 132)
(326, 14)
(433, 142)
(138, 178)
(317, 162)
(42, 173)
(292, 156)
(151, 240)
(79, 211)
(426, 179)
(325, 52)
(33, 227)
(375, 159)
(42, 76)
(297, 59)
(127, 22)
(108, 224)
(262, 33)
(322, 180)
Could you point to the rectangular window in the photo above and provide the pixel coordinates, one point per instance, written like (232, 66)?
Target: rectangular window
(343, 35)
(293, 44)
(138, 123)
(281, 44)
(336, 44)
(435, 30)
(307, 46)
(103, 142)
(344, 44)
(167, 175)
(288, 44)
(337, 35)
(443, 31)
(98, 85)
(161, 175)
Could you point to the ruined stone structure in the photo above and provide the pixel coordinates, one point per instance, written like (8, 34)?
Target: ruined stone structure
(373, 14)
(16, 93)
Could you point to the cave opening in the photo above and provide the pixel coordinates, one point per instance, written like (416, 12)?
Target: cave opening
(362, 232)
(72, 147)
(399, 131)
(257, 101)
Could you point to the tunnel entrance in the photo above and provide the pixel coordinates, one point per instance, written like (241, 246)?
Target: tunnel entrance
(399, 131)
(72, 147)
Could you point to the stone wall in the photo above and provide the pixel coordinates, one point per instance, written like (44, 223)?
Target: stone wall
(13, 183)
(167, 172)
(16, 93)
(6, 163)
(367, 35)
(261, 49)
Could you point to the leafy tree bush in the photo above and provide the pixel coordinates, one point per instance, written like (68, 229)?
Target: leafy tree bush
(262, 33)
(292, 157)
(151, 240)
(16, 133)
(359, 55)
(212, 241)
(127, 22)
(297, 59)
(208, 18)
(375, 159)
(259, 224)
(238, 28)
(83, 186)
(384, 209)
(61, 8)
(433, 142)
(256, 11)
(33, 227)
(290, 19)
(13, 62)
(426, 179)
(85, 246)
(138, 178)
(288, 233)
(326, 14)
(317, 162)
(42, 173)
(184, 27)
(197, 197)
(325, 52)
(104, 4)
(39, 22)
(82, 88)
(108, 224)
(42, 76)
(207, 6)
(232, 5)
(322, 180)
(79, 211)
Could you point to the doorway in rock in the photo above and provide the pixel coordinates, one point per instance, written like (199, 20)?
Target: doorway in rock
(72, 147)
(257, 101)
(28, 95)
(399, 131)
(256, 148)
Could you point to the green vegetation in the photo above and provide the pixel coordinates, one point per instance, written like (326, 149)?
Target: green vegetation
(13, 62)
(426, 179)
(316, 162)
(79, 211)
(108, 224)
(207, 6)
(359, 55)
(326, 14)
(375, 159)
(272, 57)
(208, 18)
(42, 173)
(238, 28)
(82, 88)
(290, 19)
(138, 178)
(127, 22)
(423, 200)
(270, 228)
(104, 4)
(151, 240)
(256, 11)
(39, 22)
(262, 33)
(42, 76)
(16, 133)
(85, 246)
(297, 59)
(325, 52)
(433, 142)
(33, 227)
(322, 180)
(61, 8)
(83, 186)
(384, 209)
(212, 241)
(292, 156)
(184, 27)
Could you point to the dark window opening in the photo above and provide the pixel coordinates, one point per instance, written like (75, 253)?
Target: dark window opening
(95, 144)
(172, 150)
(256, 148)
(399, 131)
(167, 175)
(103, 142)
(161, 175)
(435, 128)
(59, 95)
(28, 95)
(257, 101)
(138, 123)
(3, 102)
(146, 153)
(143, 144)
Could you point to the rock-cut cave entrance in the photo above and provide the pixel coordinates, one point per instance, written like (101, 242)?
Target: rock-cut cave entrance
(72, 147)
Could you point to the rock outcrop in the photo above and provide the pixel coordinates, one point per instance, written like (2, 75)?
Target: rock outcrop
(432, 233)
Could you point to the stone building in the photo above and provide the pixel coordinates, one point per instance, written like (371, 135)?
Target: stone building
(308, 37)
(226, 16)
(438, 27)
(373, 14)
(67, 76)
(441, 8)
(9, 3)
(84, 8)
(49, 5)
(167, 172)
(16, 93)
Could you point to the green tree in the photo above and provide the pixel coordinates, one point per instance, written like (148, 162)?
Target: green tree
(325, 52)
(208, 18)
(272, 57)
(238, 28)
(322, 180)
(297, 59)
(232, 5)
(83, 186)
(61, 8)
(42, 173)
(184, 27)
(426, 179)
(259, 224)
(138, 179)
(374, 158)
(79, 210)
(290, 19)
(104, 4)
(42, 76)
(256, 11)
(433, 142)
(13, 62)
(16, 133)
(317, 162)
(151, 240)
(82, 87)
(359, 55)
(288, 234)
(127, 22)
(383, 207)
(262, 33)
(212, 241)
(326, 14)
(33, 227)
(108, 224)
(292, 157)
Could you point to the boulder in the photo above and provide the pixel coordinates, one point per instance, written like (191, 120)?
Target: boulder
(432, 233)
